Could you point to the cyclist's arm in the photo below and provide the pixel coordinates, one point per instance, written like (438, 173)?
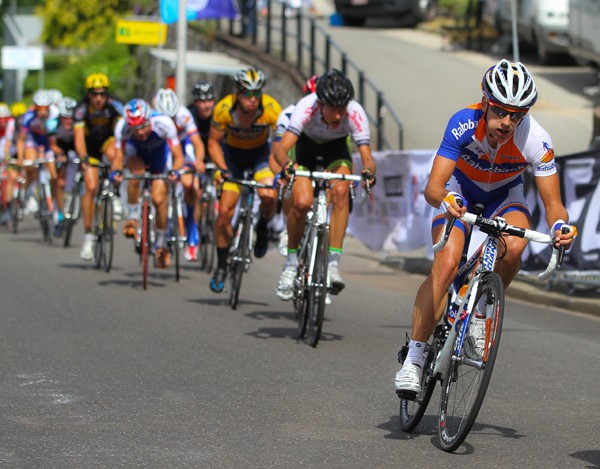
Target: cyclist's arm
(287, 142)
(80, 145)
(117, 164)
(21, 146)
(273, 164)
(199, 151)
(215, 150)
(52, 141)
(435, 190)
(549, 190)
(367, 158)
(178, 158)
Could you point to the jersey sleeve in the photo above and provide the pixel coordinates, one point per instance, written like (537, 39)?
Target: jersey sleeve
(222, 114)
(359, 124)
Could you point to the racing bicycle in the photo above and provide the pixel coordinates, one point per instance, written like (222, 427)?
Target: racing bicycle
(464, 346)
(206, 224)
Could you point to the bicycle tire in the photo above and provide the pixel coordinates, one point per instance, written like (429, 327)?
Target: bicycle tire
(238, 262)
(145, 242)
(99, 232)
(208, 248)
(301, 291)
(44, 210)
(109, 233)
(464, 387)
(16, 211)
(175, 235)
(412, 410)
(317, 291)
(71, 214)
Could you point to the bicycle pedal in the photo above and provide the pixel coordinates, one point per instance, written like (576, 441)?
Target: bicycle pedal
(406, 395)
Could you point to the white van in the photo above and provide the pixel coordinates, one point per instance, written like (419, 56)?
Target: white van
(584, 31)
(543, 24)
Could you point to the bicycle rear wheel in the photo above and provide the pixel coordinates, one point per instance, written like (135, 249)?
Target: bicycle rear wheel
(17, 210)
(98, 231)
(145, 241)
(45, 215)
(71, 213)
(465, 385)
(104, 234)
(317, 290)
(176, 230)
(238, 264)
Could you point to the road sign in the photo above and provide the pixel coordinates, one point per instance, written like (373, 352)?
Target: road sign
(22, 58)
(145, 33)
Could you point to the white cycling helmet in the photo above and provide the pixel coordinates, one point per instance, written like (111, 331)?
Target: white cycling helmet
(250, 79)
(55, 95)
(509, 83)
(166, 101)
(4, 111)
(66, 106)
(42, 98)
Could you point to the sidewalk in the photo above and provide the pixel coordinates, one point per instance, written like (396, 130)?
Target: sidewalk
(524, 288)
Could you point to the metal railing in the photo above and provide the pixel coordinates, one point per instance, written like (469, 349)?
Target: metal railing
(303, 43)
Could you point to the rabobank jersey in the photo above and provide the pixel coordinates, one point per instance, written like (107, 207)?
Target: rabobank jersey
(307, 118)
(184, 121)
(225, 119)
(162, 137)
(38, 129)
(465, 141)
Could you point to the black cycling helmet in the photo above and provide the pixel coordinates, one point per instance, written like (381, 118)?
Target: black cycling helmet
(334, 88)
(203, 91)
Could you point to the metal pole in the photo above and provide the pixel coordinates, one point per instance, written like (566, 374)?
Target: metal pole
(515, 33)
(180, 75)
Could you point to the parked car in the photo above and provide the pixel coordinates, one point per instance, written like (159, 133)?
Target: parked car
(356, 12)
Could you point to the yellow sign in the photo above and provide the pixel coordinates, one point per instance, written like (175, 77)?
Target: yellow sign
(144, 33)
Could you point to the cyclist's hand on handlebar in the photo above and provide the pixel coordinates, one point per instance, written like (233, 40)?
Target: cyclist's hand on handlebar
(564, 234)
(221, 175)
(173, 175)
(288, 169)
(454, 205)
(369, 179)
(116, 176)
(200, 167)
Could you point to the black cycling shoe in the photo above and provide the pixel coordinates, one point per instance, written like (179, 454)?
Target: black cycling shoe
(262, 240)
(217, 282)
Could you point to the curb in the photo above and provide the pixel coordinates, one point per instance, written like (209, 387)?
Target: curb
(522, 288)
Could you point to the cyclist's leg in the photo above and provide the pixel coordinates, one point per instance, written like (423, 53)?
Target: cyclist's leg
(136, 166)
(58, 189)
(268, 203)
(30, 154)
(160, 200)
(191, 198)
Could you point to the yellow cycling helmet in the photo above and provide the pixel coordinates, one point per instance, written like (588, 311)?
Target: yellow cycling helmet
(18, 109)
(97, 80)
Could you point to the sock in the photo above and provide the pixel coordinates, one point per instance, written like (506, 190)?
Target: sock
(415, 353)
(222, 254)
(334, 257)
(160, 238)
(191, 227)
(89, 237)
(291, 259)
(134, 211)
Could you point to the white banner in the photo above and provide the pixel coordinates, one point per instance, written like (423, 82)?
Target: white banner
(396, 217)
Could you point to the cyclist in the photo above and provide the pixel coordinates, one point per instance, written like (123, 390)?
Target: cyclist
(485, 148)
(166, 101)
(95, 118)
(144, 140)
(62, 143)
(319, 126)
(238, 141)
(282, 123)
(202, 109)
(7, 135)
(33, 140)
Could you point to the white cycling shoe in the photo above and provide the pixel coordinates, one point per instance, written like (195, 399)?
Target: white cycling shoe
(285, 287)
(408, 379)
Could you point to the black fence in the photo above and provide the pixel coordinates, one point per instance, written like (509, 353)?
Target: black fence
(301, 41)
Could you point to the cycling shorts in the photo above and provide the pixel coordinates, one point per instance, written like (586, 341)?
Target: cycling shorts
(335, 153)
(497, 203)
(97, 148)
(157, 161)
(239, 160)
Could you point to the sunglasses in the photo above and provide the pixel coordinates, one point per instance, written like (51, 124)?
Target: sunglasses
(252, 94)
(98, 93)
(205, 97)
(503, 112)
(141, 126)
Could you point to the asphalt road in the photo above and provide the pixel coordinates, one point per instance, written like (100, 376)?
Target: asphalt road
(96, 372)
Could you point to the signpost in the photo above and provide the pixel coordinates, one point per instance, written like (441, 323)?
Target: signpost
(144, 33)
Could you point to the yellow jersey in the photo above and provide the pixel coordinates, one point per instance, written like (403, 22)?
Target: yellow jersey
(225, 119)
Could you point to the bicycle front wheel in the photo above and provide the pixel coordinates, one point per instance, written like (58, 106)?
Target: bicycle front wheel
(17, 210)
(238, 265)
(466, 379)
(45, 215)
(71, 214)
(206, 229)
(145, 242)
(105, 233)
(317, 289)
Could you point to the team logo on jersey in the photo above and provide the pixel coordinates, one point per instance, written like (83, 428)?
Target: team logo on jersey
(462, 128)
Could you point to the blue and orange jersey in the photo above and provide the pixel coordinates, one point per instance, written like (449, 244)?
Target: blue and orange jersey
(489, 168)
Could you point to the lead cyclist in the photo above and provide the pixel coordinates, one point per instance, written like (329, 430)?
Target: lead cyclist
(484, 151)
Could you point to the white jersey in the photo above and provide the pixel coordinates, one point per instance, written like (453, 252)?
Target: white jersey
(307, 119)
(163, 129)
(283, 121)
(184, 121)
